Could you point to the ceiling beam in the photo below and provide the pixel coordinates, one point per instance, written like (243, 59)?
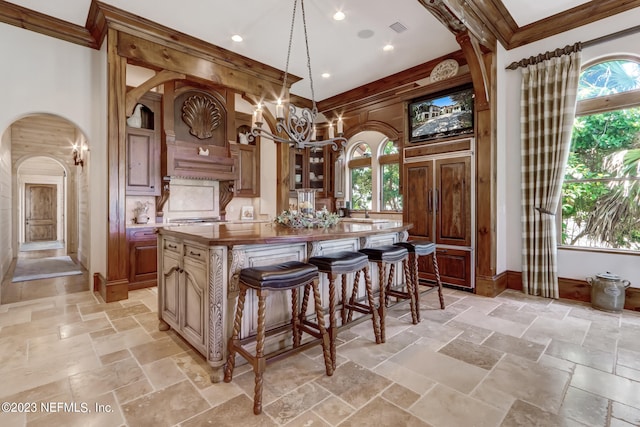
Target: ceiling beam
(44, 24)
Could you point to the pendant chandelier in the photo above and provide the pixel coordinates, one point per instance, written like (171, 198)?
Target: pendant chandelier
(298, 128)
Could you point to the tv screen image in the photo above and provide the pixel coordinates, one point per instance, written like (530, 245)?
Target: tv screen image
(441, 115)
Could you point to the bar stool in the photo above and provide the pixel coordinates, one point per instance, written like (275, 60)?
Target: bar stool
(343, 263)
(383, 255)
(289, 275)
(418, 248)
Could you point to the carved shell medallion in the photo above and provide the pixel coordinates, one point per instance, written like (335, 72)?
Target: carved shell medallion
(201, 115)
(444, 70)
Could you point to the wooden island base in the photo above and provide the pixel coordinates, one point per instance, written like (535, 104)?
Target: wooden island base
(198, 269)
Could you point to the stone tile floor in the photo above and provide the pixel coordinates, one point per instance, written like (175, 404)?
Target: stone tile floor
(513, 360)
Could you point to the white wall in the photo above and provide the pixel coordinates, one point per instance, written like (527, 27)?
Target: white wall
(571, 263)
(45, 75)
(6, 251)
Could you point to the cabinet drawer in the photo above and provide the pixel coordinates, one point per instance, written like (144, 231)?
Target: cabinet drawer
(171, 246)
(196, 253)
(142, 234)
(454, 266)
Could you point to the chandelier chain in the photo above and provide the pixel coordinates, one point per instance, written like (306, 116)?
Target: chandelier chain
(306, 42)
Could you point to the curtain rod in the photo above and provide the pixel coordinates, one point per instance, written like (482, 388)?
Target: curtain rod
(570, 49)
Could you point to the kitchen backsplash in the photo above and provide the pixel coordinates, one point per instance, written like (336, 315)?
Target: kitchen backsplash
(190, 198)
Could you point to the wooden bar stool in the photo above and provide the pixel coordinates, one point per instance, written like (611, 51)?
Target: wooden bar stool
(343, 263)
(383, 256)
(418, 248)
(290, 275)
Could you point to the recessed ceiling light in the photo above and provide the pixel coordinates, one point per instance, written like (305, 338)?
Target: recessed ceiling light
(236, 38)
(326, 75)
(338, 16)
(388, 47)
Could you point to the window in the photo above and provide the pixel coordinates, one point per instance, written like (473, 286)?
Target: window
(601, 190)
(389, 159)
(361, 191)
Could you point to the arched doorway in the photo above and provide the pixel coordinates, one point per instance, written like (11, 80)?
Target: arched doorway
(49, 208)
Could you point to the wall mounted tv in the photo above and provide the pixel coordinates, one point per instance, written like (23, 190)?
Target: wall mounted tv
(440, 115)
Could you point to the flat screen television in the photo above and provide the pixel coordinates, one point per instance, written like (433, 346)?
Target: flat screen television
(441, 115)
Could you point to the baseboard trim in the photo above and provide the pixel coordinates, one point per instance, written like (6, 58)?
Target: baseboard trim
(115, 290)
(491, 286)
(577, 290)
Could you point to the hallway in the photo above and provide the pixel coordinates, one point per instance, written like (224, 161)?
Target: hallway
(13, 292)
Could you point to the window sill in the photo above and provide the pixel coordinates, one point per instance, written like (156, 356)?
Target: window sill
(598, 250)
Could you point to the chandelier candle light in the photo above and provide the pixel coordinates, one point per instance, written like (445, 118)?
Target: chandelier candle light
(298, 129)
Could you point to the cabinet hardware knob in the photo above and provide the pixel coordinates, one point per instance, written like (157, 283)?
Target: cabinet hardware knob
(194, 253)
(172, 246)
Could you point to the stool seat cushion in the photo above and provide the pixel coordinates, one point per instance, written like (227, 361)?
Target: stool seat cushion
(287, 275)
(388, 253)
(340, 262)
(419, 247)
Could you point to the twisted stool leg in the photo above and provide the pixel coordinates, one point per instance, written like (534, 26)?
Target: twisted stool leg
(354, 295)
(410, 290)
(234, 340)
(437, 271)
(296, 331)
(261, 362)
(375, 319)
(416, 284)
(383, 298)
(323, 332)
(343, 312)
(333, 332)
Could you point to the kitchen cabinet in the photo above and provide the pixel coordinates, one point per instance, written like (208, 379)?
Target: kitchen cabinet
(438, 202)
(143, 148)
(248, 155)
(143, 257)
(183, 291)
(311, 168)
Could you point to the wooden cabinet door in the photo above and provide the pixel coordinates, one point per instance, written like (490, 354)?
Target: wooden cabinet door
(169, 294)
(248, 183)
(143, 160)
(143, 257)
(194, 303)
(418, 201)
(452, 201)
(299, 173)
(454, 266)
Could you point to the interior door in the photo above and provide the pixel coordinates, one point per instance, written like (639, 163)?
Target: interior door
(40, 212)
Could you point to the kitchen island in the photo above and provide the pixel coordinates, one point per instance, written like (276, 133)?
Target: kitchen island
(199, 266)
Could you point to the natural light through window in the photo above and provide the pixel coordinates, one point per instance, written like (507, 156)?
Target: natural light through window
(601, 191)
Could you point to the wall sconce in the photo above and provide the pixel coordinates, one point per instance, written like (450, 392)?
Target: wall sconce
(77, 156)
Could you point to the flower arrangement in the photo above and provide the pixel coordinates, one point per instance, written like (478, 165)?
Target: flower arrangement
(295, 219)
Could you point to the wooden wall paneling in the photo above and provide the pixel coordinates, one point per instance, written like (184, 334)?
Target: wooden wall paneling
(117, 249)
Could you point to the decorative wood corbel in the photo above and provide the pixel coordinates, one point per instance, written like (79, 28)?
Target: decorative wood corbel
(459, 17)
(133, 95)
(470, 33)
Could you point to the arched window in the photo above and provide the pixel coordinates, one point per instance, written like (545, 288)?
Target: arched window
(601, 190)
(389, 159)
(361, 190)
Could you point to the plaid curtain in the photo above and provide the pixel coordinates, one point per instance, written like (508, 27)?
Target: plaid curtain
(548, 106)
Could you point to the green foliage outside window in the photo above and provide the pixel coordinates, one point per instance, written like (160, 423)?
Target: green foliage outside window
(361, 188)
(601, 191)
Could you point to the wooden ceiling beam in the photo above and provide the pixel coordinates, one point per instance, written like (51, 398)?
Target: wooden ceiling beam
(44, 24)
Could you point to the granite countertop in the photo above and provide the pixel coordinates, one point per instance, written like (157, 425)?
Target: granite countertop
(228, 234)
